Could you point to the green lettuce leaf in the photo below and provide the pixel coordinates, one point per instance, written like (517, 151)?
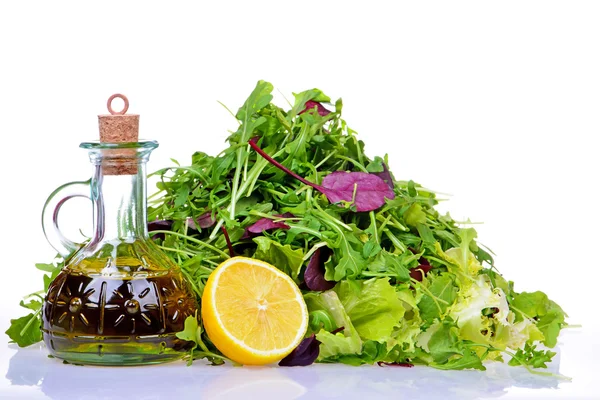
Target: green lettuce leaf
(345, 342)
(373, 307)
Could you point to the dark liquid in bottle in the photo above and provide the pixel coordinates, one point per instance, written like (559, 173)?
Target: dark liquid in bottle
(102, 320)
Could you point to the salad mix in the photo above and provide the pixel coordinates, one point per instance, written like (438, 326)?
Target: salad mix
(387, 279)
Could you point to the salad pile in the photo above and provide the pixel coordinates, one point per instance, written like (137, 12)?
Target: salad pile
(387, 279)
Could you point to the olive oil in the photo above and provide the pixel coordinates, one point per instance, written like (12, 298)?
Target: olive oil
(117, 320)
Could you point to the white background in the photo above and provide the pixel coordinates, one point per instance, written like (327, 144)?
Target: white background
(496, 103)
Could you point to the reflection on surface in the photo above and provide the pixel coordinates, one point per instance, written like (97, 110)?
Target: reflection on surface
(32, 368)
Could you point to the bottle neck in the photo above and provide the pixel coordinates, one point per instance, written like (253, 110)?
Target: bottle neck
(119, 204)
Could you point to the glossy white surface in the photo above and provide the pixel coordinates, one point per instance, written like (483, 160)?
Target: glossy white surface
(30, 374)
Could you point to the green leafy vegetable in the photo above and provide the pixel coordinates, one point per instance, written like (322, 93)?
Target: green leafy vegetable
(548, 316)
(440, 294)
(530, 356)
(373, 307)
(25, 331)
(283, 256)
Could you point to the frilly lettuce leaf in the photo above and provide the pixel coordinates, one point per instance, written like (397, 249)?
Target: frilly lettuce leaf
(367, 310)
(482, 312)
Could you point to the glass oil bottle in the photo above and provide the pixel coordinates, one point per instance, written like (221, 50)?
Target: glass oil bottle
(119, 300)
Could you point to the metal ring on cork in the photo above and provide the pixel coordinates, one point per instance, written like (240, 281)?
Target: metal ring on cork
(117, 96)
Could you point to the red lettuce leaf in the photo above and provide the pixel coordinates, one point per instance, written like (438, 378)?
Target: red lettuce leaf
(311, 104)
(266, 224)
(305, 354)
(314, 276)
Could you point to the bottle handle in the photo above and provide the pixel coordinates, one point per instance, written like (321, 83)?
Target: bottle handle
(56, 200)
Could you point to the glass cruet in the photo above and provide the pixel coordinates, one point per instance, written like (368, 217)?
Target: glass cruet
(119, 300)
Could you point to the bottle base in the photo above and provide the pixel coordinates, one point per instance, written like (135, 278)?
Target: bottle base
(115, 360)
(112, 351)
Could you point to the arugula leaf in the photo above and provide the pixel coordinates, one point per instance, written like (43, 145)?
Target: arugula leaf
(191, 331)
(282, 256)
(350, 265)
(440, 294)
(25, 331)
(444, 342)
(376, 165)
(32, 304)
(530, 356)
(469, 360)
(392, 265)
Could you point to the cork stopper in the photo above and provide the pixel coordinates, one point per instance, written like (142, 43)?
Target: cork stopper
(119, 127)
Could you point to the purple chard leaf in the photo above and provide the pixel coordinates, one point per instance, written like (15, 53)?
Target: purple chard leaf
(395, 364)
(314, 276)
(160, 225)
(305, 354)
(365, 191)
(202, 222)
(385, 175)
(266, 224)
(311, 104)
(419, 272)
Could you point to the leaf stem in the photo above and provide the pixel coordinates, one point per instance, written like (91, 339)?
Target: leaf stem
(374, 224)
(313, 249)
(229, 245)
(191, 239)
(277, 164)
(28, 324)
(356, 163)
(187, 253)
